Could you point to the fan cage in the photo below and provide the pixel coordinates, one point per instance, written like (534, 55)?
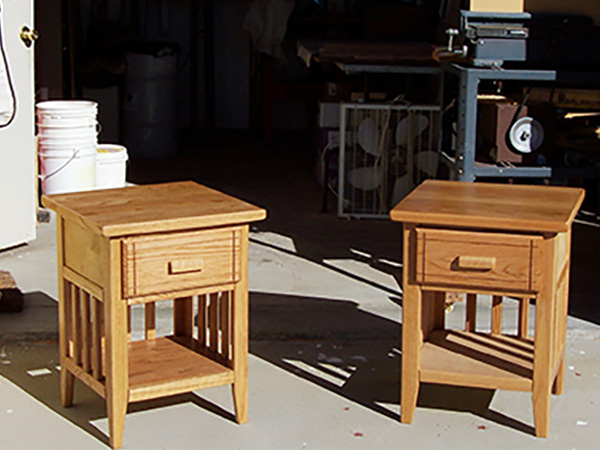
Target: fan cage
(385, 151)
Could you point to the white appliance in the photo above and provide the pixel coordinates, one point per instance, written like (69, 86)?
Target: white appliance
(18, 171)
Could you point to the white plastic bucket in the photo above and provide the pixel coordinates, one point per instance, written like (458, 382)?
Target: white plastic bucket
(58, 119)
(111, 166)
(67, 169)
(61, 144)
(53, 110)
(85, 131)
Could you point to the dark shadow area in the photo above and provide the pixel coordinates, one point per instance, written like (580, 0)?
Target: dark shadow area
(584, 286)
(469, 400)
(310, 338)
(332, 344)
(37, 321)
(281, 178)
(87, 406)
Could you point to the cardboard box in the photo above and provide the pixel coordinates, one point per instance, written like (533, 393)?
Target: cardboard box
(329, 115)
(502, 6)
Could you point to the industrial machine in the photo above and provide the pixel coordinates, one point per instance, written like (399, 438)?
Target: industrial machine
(487, 39)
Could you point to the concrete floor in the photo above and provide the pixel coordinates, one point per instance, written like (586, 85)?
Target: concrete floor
(325, 307)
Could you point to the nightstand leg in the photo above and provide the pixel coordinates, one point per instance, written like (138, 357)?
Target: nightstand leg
(558, 386)
(67, 379)
(543, 349)
(240, 335)
(411, 332)
(117, 369)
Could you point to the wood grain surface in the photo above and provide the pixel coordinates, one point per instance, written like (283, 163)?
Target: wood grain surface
(542, 209)
(152, 208)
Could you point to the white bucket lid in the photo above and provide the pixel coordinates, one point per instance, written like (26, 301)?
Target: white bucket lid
(71, 122)
(72, 142)
(61, 132)
(75, 106)
(111, 152)
(67, 150)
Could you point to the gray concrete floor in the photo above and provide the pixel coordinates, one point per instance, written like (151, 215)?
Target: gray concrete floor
(325, 307)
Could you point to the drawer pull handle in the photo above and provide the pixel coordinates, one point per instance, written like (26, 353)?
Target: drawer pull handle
(480, 263)
(179, 267)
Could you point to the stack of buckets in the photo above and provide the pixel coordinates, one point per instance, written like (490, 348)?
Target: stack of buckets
(70, 158)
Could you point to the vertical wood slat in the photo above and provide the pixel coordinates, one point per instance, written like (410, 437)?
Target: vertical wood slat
(427, 314)
(213, 324)
(150, 320)
(68, 321)
(201, 319)
(471, 317)
(128, 323)
(439, 310)
(225, 324)
(86, 341)
(76, 323)
(523, 330)
(183, 309)
(497, 314)
(96, 339)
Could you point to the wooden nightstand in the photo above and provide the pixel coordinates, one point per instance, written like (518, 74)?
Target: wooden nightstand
(139, 245)
(501, 240)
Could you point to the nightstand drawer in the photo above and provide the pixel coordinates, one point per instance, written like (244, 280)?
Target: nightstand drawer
(479, 260)
(156, 264)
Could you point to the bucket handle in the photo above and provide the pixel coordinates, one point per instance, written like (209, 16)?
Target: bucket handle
(49, 175)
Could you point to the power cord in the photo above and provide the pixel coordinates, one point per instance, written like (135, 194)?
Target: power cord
(8, 77)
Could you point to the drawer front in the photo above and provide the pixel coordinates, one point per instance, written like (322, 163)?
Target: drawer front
(478, 259)
(172, 262)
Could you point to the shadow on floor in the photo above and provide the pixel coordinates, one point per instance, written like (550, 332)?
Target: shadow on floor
(281, 178)
(352, 353)
(37, 321)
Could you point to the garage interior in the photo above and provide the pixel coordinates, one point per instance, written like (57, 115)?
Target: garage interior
(264, 126)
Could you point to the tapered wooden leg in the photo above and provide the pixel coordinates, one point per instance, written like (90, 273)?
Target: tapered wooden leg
(240, 336)
(411, 318)
(411, 334)
(117, 377)
(541, 412)
(544, 333)
(558, 386)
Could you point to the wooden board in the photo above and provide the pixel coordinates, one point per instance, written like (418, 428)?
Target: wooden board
(503, 6)
(152, 208)
(169, 366)
(541, 209)
(477, 360)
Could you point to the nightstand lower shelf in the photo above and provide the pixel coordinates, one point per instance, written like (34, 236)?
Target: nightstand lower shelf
(477, 360)
(171, 365)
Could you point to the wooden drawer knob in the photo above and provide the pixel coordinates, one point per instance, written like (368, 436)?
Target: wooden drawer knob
(481, 263)
(187, 266)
